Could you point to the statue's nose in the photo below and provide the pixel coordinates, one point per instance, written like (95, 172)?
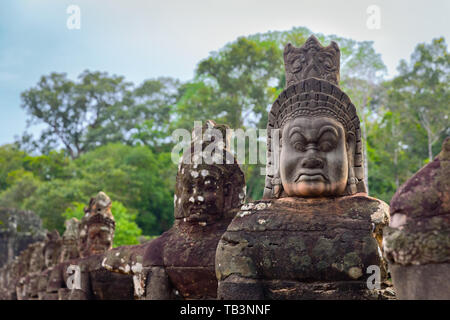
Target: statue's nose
(312, 163)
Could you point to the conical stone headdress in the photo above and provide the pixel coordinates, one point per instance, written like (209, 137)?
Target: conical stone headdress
(312, 79)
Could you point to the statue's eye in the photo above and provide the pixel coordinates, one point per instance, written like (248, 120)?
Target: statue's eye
(327, 142)
(298, 141)
(325, 146)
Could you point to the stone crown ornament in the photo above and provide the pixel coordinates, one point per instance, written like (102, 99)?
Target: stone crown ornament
(99, 211)
(312, 77)
(312, 60)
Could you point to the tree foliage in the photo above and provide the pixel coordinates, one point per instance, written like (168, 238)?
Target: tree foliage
(102, 133)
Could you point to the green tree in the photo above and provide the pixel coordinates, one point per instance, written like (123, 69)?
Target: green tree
(421, 91)
(362, 75)
(11, 159)
(155, 100)
(237, 80)
(94, 111)
(237, 84)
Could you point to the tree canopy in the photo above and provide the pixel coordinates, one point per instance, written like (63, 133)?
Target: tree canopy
(103, 133)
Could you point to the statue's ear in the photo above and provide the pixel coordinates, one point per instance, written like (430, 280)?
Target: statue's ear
(350, 144)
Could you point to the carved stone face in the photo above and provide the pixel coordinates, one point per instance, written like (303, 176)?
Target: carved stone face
(99, 239)
(49, 257)
(36, 259)
(204, 194)
(314, 157)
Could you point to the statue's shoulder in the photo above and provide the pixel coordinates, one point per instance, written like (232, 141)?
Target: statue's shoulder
(154, 250)
(376, 208)
(293, 213)
(252, 216)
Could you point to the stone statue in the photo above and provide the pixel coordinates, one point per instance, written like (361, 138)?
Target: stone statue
(17, 272)
(56, 285)
(417, 242)
(37, 264)
(95, 240)
(94, 235)
(51, 251)
(180, 262)
(97, 227)
(316, 232)
(127, 264)
(70, 240)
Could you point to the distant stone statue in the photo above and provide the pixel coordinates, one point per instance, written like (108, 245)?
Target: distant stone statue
(70, 240)
(97, 227)
(180, 262)
(51, 251)
(417, 242)
(23, 265)
(95, 238)
(28, 283)
(316, 233)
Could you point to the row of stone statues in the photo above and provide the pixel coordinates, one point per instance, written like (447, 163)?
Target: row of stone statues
(316, 234)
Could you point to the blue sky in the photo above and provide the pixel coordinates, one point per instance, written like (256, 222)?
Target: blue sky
(147, 39)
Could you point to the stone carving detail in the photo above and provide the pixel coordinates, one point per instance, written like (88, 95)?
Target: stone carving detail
(417, 242)
(97, 226)
(313, 96)
(180, 262)
(312, 60)
(316, 231)
(18, 229)
(70, 240)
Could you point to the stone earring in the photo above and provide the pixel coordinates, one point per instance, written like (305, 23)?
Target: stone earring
(277, 187)
(351, 182)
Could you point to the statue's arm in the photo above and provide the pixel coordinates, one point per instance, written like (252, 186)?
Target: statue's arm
(158, 285)
(235, 269)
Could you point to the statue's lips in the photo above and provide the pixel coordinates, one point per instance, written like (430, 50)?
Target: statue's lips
(98, 249)
(311, 176)
(196, 213)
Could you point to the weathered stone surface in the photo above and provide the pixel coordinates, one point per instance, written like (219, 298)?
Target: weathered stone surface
(421, 282)
(417, 242)
(70, 240)
(18, 229)
(42, 271)
(313, 131)
(312, 60)
(128, 260)
(97, 283)
(303, 244)
(317, 232)
(94, 238)
(96, 230)
(180, 262)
